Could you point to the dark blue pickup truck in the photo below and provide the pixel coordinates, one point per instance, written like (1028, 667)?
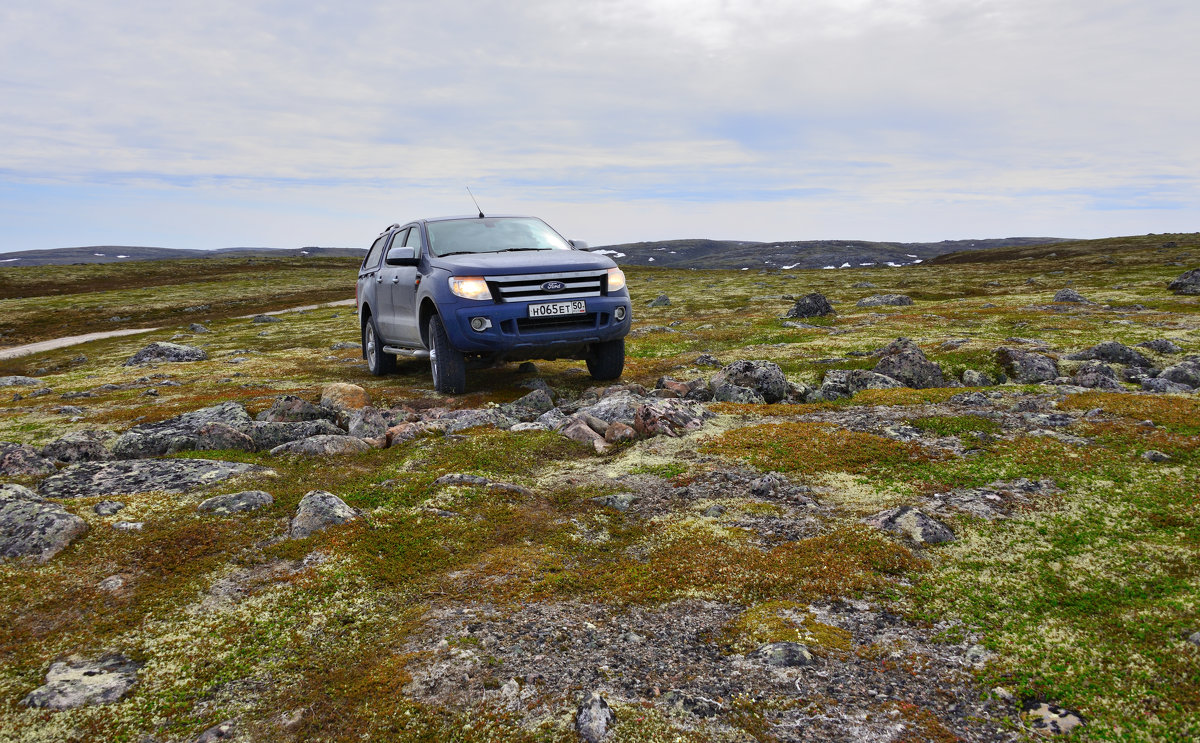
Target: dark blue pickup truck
(491, 289)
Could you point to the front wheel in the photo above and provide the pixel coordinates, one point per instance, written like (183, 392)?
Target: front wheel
(607, 359)
(447, 362)
(379, 362)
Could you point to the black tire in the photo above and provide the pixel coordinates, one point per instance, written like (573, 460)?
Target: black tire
(379, 362)
(607, 360)
(445, 361)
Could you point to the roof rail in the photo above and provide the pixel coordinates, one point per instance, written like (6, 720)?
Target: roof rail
(389, 228)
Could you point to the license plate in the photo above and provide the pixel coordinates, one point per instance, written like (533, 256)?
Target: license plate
(556, 309)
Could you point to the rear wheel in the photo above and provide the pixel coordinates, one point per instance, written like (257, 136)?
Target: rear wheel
(447, 362)
(379, 362)
(607, 359)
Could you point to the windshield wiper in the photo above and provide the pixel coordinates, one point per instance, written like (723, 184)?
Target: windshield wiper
(457, 252)
(517, 250)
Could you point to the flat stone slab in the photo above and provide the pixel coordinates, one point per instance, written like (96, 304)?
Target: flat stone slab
(76, 682)
(33, 528)
(87, 479)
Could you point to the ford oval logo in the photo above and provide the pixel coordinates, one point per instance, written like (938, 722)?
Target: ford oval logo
(553, 286)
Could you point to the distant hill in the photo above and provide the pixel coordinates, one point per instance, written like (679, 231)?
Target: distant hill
(735, 254)
(120, 253)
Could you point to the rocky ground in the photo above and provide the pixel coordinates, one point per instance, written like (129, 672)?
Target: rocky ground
(837, 512)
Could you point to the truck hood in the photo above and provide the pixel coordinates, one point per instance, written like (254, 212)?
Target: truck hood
(539, 261)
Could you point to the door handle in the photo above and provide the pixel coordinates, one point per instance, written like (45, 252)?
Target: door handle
(378, 279)
(396, 279)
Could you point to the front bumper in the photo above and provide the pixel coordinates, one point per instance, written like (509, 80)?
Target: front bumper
(514, 333)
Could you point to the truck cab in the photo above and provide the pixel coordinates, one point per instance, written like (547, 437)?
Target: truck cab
(488, 289)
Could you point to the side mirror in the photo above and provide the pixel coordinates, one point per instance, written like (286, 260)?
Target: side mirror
(401, 256)
(578, 244)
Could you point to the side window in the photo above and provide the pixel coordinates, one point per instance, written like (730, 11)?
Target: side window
(374, 253)
(397, 238)
(414, 240)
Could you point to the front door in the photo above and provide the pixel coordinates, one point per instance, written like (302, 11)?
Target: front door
(385, 291)
(404, 293)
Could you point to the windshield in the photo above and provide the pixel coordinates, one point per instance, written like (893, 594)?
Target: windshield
(492, 235)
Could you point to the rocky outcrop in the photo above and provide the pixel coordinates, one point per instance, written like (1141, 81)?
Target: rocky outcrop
(811, 305)
(1186, 283)
(86, 479)
(905, 362)
(76, 682)
(839, 383)
(247, 500)
(765, 378)
(1096, 375)
(912, 523)
(1071, 296)
(1026, 367)
(222, 436)
(319, 510)
(323, 446)
(161, 351)
(34, 528)
(80, 446)
(1186, 372)
(885, 300)
(267, 435)
(1112, 352)
(22, 460)
(180, 433)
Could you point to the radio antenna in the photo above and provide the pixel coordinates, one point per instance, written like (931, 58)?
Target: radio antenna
(475, 202)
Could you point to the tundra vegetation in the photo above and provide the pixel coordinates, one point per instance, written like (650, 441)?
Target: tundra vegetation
(990, 562)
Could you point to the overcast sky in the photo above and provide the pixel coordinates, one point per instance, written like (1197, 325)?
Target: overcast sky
(261, 122)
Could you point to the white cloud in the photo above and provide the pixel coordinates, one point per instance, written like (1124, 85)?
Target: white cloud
(907, 119)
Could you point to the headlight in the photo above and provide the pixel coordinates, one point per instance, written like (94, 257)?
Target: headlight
(470, 287)
(616, 279)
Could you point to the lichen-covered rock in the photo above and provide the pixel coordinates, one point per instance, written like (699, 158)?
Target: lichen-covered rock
(1026, 367)
(1165, 387)
(972, 378)
(669, 417)
(905, 362)
(369, 422)
(1161, 345)
(34, 528)
(593, 718)
(289, 408)
(76, 682)
(80, 446)
(662, 300)
(1187, 282)
(912, 523)
(737, 394)
(167, 352)
(529, 407)
(1185, 372)
(1070, 295)
(839, 383)
(319, 510)
(86, 479)
(1050, 718)
(1112, 352)
(1096, 375)
(764, 377)
(180, 433)
(268, 435)
(19, 381)
(885, 300)
(108, 507)
(811, 305)
(342, 396)
(784, 655)
(322, 446)
(247, 500)
(222, 436)
(22, 460)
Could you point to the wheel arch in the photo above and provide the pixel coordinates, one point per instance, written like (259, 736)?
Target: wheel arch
(428, 309)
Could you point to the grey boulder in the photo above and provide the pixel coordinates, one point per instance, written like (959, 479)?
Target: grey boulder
(1026, 367)
(19, 381)
(1185, 372)
(247, 500)
(86, 479)
(22, 460)
(839, 383)
(784, 655)
(593, 718)
(1096, 375)
(1161, 345)
(662, 300)
(1186, 283)
(76, 682)
(289, 408)
(80, 446)
(972, 378)
(34, 528)
(912, 523)
(169, 352)
(764, 377)
(323, 445)
(811, 305)
(180, 433)
(885, 300)
(737, 394)
(905, 362)
(1113, 352)
(1070, 295)
(319, 510)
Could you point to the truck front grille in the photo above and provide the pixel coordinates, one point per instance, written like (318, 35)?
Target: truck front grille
(527, 287)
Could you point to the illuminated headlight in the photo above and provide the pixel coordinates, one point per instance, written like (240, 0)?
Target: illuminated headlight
(470, 287)
(616, 279)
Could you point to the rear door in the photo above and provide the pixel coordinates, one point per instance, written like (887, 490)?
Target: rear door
(386, 280)
(367, 273)
(404, 292)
